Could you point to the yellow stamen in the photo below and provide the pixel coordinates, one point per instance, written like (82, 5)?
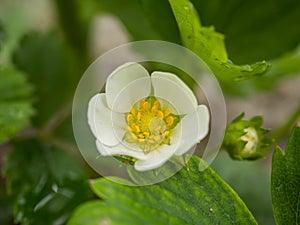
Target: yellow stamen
(154, 109)
(146, 134)
(132, 110)
(129, 118)
(141, 136)
(137, 128)
(146, 105)
(138, 116)
(167, 112)
(170, 120)
(142, 102)
(155, 106)
(160, 114)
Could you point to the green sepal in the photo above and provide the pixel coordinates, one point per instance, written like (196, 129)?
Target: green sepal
(151, 99)
(176, 120)
(128, 160)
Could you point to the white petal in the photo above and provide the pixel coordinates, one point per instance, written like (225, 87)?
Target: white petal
(155, 158)
(129, 74)
(195, 127)
(131, 94)
(203, 116)
(91, 113)
(101, 123)
(171, 88)
(119, 150)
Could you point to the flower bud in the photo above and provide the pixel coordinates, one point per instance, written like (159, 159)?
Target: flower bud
(246, 139)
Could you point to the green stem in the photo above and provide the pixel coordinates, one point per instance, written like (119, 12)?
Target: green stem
(67, 146)
(57, 119)
(282, 131)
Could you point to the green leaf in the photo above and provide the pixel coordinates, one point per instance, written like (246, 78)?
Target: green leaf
(285, 181)
(46, 183)
(254, 29)
(189, 197)
(15, 102)
(209, 45)
(52, 68)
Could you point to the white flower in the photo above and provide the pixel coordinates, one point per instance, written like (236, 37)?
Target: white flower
(150, 118)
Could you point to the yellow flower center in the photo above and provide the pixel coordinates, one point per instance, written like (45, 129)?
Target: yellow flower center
(149, 126)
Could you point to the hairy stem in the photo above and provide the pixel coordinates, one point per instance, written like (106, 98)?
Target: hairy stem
(57, 118)
(67, 146)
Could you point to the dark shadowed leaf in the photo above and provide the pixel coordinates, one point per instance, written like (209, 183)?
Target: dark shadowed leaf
(144, 19)
(6, 209)
(46, 183)
(254, 29)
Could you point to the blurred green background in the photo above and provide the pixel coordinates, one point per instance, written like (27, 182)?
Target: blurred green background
(51, 43)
